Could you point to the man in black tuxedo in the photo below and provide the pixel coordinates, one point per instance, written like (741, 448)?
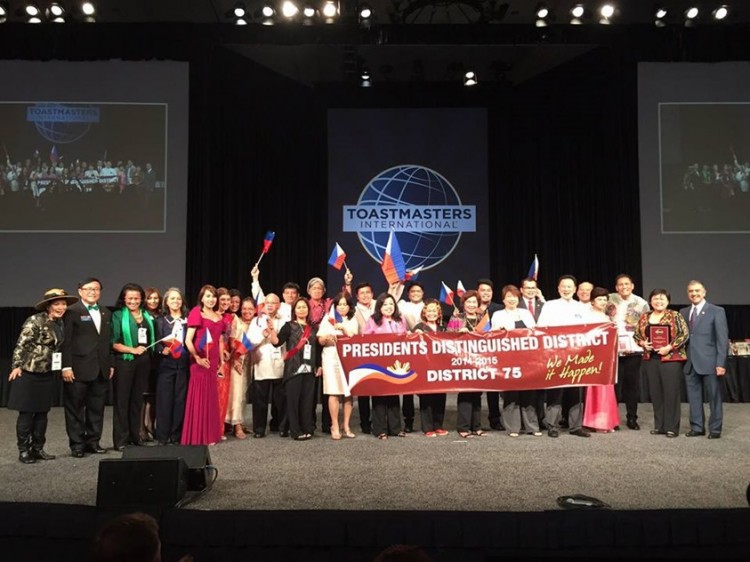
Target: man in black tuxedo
(87, 368)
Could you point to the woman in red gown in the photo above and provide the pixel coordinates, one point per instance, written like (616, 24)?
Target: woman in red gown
(204, 341)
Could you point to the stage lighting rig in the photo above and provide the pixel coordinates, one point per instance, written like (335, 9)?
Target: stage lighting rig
(721, 12)
(239, 10)
(32, 10)
(289, 9)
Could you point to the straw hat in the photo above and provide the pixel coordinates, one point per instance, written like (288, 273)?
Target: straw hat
(51, 295)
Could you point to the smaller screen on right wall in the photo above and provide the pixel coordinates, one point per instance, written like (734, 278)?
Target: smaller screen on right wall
(705, 167)
(694, 175)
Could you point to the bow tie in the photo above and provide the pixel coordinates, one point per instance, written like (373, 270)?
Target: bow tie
(92, 307)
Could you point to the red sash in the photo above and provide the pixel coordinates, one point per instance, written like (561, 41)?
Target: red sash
(303, 340)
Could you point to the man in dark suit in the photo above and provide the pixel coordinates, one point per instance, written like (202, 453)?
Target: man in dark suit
(706, 360)
(87, 368)
(532, 301)
(485, 289)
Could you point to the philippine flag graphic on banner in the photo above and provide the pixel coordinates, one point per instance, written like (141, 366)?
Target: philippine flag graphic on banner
(397, 374)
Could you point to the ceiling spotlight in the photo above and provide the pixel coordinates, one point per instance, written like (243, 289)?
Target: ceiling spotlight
(542, 11)
(32, 10)
(577, 11)
(58, 19)
(308, 11)
(721, 12)
(607, 11)
(55, 10)
(268, 11)
(35, 19)
(365, 74)
(691, 13)
(289, 9)
(240, 21)
(88, 8)
(365, 12)
(330, 9)
(239, 10)
(661, 13)
(470, 78)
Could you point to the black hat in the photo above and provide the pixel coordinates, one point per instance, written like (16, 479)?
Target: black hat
(51, 295)
(599, 292)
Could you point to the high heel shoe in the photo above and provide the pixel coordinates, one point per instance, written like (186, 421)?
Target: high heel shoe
(348, 433)
(335, 434)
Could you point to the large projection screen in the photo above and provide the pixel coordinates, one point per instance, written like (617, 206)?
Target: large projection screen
(694, 149)
(93, 176)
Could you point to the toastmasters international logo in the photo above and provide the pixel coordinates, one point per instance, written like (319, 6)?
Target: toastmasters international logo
(62, 123)
(417, 203)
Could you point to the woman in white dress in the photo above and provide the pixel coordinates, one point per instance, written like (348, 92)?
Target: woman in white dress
(339, 322)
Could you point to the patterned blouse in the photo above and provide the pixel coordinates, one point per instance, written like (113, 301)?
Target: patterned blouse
(40, 337)
(678, 334)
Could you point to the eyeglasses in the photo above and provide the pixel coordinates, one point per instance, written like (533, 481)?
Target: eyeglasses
(91, 289)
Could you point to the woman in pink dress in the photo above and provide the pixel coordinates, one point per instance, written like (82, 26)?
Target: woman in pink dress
(386, 411)
(204, 341)
(600, 412)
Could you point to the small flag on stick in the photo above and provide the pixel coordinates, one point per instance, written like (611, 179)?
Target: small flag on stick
(393, 266)
(534, 269)
(338, 257)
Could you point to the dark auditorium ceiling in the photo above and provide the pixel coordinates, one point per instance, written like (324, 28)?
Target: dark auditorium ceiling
(412, 40)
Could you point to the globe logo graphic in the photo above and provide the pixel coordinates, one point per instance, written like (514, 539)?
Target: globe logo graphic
(404, 186)
(60, 132)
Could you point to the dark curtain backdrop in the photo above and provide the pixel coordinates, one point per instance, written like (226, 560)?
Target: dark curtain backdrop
(563, 154)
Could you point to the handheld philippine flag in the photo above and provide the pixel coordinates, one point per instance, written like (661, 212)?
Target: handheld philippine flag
(268, 240)
(174, 346)
(242, 345)
(446, 294)
(534, 269)
(460, 289)
(335, 317)
(205, 342)
(53, 156)
(484, 324)
(393, 266)
(412, 274)
(338, 257)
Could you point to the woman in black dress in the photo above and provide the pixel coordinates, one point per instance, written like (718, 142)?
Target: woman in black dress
(36, 357)
(432, 406)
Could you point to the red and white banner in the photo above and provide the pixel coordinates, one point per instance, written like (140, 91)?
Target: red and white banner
(381, 365)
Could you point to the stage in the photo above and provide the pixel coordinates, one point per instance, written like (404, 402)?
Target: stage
(485, 496)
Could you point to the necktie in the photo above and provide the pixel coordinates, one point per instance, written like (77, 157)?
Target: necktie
(692, 317)
(92, 307)
(531, 308)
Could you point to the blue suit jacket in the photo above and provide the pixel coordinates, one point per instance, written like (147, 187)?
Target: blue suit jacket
(708, 345)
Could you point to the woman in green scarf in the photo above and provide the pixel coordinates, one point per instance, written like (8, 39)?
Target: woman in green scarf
(132, 338)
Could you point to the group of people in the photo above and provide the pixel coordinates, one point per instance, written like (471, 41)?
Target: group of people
(199, 365)
(39, 179)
